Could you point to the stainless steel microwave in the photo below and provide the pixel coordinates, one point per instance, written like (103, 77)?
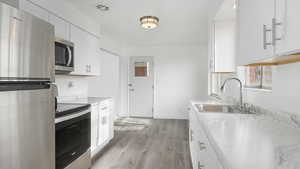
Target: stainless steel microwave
(64, 56)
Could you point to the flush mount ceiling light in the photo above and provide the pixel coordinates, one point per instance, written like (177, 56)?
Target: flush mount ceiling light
(102, 7)
(149, 22)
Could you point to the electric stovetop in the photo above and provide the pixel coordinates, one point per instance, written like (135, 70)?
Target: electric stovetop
(64, 109)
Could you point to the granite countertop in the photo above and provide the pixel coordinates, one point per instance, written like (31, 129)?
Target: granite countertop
(88, 100)
(252, 141)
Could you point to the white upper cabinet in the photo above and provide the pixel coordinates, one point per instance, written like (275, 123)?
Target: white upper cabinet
(225, 46)
(34, 10)
(80, 40)
(255, 30)
(14, 3)
(267, 29)
(223, 38)
(94, 56)
(62, 28)
(86, 45)
(287, 27)
(87, 60)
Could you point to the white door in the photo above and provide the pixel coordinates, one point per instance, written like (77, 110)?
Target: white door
(141, 85)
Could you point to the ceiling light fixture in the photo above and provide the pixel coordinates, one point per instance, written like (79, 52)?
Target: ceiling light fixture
(102, 7)
(149, 22)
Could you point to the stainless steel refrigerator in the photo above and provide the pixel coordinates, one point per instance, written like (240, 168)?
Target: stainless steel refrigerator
(27, 95)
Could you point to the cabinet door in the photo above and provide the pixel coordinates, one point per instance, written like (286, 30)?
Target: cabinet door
(34, 10)
(87, 60)
(14, 3)
(94, 126)
(94, 56)
(112, 119)
(225, 45)
(62, 28)
(81, 49)
(255, 35)
(192, 137)
(287, 13)
(206, 161)
(104, 124)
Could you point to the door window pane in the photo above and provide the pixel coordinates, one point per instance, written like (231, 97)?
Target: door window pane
(141, 69)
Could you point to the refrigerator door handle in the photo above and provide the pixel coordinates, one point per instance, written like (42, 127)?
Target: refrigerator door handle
(55, 92)
(55, 89)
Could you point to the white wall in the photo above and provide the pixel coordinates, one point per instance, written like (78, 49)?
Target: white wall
(72, 87)
(14, 3)
(107, 84)
(111, 44)
(180, 76)
(124, 61)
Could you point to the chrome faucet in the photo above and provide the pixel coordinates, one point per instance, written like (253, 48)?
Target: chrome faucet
(241, 90)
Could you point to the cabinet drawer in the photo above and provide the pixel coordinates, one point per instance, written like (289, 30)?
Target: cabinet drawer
(206, 157)
(207, 161)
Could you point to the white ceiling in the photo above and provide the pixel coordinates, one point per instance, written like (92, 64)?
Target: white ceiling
(181, 21)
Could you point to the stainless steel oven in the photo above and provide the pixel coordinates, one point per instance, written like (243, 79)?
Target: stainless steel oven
(73, 139)
(64, 56)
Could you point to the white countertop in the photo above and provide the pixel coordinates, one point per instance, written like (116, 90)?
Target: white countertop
(244, 141)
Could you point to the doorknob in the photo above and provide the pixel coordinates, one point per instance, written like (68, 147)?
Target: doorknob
(131, 90)
(130, 85)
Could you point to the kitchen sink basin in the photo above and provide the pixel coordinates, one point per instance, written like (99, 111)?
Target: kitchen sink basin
(218, 108)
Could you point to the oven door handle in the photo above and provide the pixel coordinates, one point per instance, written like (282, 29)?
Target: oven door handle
(70, 57)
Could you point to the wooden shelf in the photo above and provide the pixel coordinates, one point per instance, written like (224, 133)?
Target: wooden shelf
(223, 72)
(281, 60)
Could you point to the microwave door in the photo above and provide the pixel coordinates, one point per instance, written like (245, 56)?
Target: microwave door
(60, 55)
(27, 139)
(64, 61)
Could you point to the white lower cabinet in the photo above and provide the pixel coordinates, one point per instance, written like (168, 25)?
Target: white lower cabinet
(94, 125)
(101, 125)
(202, 154)
(104, 122)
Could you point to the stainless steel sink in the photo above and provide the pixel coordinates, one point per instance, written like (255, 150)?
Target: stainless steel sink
(218, 108)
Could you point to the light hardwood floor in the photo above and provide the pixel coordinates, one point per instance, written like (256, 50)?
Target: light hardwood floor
(163, 144)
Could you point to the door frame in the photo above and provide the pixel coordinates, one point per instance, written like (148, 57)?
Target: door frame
(153, 91)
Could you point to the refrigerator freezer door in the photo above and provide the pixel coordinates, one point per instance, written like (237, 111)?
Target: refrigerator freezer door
(26, 47)
(27, 127)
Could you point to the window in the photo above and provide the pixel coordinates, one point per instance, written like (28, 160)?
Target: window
(259, 77)
(254, 77)
(141, 69)
(215, 84)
